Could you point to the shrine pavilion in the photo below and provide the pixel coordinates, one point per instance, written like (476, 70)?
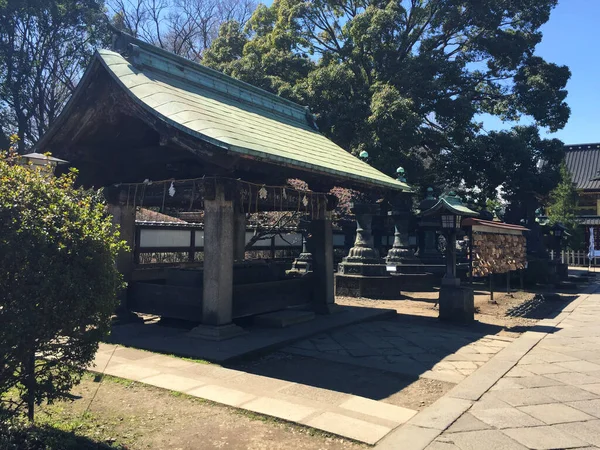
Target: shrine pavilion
(140, 114)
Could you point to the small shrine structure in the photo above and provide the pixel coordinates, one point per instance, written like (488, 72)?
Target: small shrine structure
(456, 301)
(141, 114)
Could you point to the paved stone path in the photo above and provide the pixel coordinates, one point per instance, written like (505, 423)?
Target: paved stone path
(426, 349)
(343, 414)
(436, 352)
(540, 392)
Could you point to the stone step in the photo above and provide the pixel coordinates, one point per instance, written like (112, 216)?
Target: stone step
(283, 318)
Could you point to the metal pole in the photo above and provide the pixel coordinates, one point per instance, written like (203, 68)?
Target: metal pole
(508, 282)
(491, 287)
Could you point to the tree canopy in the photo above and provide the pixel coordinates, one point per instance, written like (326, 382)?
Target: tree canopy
(409, 81)
(44, 48)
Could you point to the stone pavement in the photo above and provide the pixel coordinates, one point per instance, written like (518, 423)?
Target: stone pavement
(345, 398)
(425, 349)
(540, 392)
(340, 413)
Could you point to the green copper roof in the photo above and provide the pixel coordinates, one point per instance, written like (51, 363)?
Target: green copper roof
(451, 204)
(234, 115)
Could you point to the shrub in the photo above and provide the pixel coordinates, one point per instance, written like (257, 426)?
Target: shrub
(58, 282)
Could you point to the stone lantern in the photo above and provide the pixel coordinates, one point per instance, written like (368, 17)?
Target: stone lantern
(400, 253)
(456, 302)
(39, 160)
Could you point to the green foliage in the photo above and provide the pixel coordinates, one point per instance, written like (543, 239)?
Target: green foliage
(409, 81)
(58, 283)
(562, 208)
(44, 47)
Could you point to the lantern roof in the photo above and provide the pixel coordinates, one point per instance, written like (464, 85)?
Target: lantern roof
(449, 204)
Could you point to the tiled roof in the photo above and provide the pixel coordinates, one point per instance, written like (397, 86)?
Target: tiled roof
(583, 161)
(233, 115)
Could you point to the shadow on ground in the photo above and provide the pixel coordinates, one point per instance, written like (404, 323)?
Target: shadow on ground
(46, 438)
(376, 359)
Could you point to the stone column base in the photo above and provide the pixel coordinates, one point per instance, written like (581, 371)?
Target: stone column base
(457, 304)
(216, 332)
(366, 286)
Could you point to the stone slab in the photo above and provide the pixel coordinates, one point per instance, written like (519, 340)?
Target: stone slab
(566, 393)
(173, 382)
(544, 438)
(588, 406)
(580, 366)
(280, 409)
(409, 437)
(573, 378)
(537, 381)
(506, 418)
(467, 422)
(523, 397)
(482, 380)
(482, 439)
(382, 410)
(441, 414)
(130, 371)
(220, 394)
(587, 431)
(357, 429)
(555, 413)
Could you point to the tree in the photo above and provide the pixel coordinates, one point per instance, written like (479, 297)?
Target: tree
(184, 27)
(562, 207)
(58, 283)
(408, 81)
(44, 47)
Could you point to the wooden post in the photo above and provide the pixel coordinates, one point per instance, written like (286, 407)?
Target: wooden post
(471, 256)
(521, 273)
(491, 287)
(192, 250)
(272, 247)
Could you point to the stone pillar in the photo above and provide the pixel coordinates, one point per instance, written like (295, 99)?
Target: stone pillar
(456, 303)
(217, 301)
(123, 216)
(450, 276)
(320, 244)
(239, 246)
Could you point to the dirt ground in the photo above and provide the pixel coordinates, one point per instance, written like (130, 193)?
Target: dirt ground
(135, 416)
(486, 311)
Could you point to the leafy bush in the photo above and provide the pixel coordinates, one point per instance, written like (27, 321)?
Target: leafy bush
(58, 282)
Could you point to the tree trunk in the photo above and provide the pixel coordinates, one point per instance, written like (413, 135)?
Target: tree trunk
(30, 385)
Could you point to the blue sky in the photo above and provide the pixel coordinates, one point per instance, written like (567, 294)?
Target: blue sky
(572, 38)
